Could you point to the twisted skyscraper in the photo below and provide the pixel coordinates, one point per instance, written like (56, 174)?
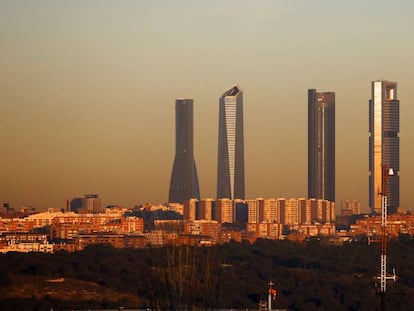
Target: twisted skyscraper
(230, 168)
(321, 145)
(184, 179)
(384, 144)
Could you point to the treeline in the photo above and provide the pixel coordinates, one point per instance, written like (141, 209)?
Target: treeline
(308, 276)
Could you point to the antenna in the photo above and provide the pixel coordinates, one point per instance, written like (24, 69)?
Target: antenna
(383, 277)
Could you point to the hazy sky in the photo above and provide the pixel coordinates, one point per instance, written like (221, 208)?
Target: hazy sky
(88, 88)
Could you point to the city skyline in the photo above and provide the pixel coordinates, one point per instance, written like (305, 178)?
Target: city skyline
(85, 102)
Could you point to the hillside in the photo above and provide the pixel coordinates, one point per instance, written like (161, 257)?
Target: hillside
(308, 276)
(39, 292)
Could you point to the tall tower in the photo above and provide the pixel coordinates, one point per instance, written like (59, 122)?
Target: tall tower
(184, 179)
(321, 145)
(230, 168)
(384, 144)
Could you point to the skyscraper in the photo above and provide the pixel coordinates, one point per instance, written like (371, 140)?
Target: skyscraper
(384, 144)
(184, 179)
(321, 145)
(230, 168)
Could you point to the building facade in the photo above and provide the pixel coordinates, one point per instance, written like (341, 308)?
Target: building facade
(184, 180)
(190, 209)
(230, 168)
(384, 144)
(350, 207)
(224, 211)
(291, 211)
(91, 203)
(321, 145)
(206, 209)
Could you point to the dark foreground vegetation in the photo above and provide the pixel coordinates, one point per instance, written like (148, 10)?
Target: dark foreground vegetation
(308, 276)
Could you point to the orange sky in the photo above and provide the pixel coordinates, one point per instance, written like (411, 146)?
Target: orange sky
(87, 92)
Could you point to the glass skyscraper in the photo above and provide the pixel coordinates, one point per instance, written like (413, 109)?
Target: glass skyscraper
(321, 145)
(384, 144)
(230, 168)
(184, 179)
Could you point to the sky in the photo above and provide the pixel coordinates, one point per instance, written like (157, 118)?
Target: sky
(88, 88)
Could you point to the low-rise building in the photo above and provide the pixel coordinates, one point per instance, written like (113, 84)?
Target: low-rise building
(313, 229)
(209, 228)
(25, 242)
(371, 226)
(67, 227)
(265, 230)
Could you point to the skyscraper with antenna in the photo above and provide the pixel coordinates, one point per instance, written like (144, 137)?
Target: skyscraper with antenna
(384, 144)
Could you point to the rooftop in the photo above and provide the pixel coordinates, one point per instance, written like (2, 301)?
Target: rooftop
(233, 91)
